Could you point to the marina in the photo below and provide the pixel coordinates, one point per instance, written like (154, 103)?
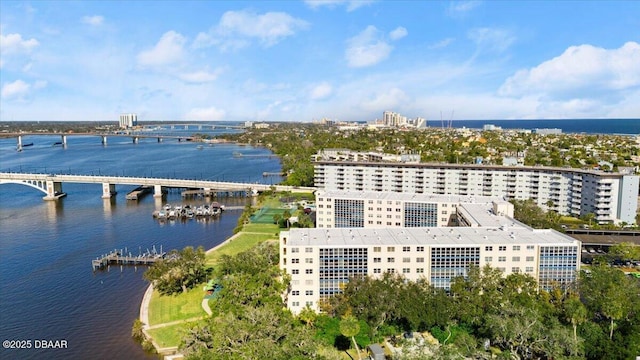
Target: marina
(170, 212)
(120, 257)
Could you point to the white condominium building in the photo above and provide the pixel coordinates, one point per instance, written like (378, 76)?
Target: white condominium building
(320, 261)
(345, 209)
(128, 120)
(612, 197)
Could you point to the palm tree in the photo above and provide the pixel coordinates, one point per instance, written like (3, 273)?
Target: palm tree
(349, 327)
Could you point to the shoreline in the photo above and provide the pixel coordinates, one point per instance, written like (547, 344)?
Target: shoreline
(146, 300)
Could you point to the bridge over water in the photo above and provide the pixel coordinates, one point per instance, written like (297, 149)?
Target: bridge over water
(134, 135)
(51, 184)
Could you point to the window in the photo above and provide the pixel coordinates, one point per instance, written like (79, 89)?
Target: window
(295, 250)
(406, 248)
(488, 258)
(308, 292)
(406, 270)
(295, 271)
(376, 271)
(530, 247)
(502, 258)
(309, 303)
(420, 259)
(502, 248)
(515, 258)
(295, 261)
(308, 282)
(295, 303)
(391, 249)
(515, 270)
(391, 270)
(420, 270)
(377, 249)
(516, 247)
(377, 260)
(420, 248)
(529, 269)
(529, 258)
(390, 259)
(308, 271)
(406, 259)
(295, 292)
(488, 248)
(308, 260)
(308, 250)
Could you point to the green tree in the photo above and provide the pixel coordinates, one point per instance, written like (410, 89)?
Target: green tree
(608, 292)
(625, 251)
(349, 327)
(576, 313)
(178, 271)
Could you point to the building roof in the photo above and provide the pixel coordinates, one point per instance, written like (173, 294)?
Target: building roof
(482, 215)
(428, 236)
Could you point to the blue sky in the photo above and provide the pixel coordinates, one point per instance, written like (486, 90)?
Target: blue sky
(306, 60)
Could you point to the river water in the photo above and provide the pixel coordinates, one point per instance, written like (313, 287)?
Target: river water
(48, 290)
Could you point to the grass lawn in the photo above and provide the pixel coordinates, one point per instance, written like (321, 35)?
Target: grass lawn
(167, 308)
(570, 220)
(169, 336)
(243, 242)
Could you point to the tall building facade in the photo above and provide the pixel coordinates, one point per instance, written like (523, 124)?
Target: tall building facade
(612, 197)
(345, 209)
(321, 261)
(128, 120)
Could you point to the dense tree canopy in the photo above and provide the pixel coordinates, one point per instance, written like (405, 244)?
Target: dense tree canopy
(178, 271)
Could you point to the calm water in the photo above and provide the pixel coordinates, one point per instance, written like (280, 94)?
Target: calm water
(47, 288)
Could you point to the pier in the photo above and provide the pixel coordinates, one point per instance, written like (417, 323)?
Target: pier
(137, 193)
(116, 257)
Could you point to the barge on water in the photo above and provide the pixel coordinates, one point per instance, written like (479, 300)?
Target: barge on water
(138, 193)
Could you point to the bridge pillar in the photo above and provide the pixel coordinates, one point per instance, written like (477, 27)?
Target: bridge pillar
(135, 139)
(104, 140)
(108, 190)
(64, 140)
(19, 145)
(54, 190)
(157, 191)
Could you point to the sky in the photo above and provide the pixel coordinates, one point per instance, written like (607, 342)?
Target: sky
(309, 60)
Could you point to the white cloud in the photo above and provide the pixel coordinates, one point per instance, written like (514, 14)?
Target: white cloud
(391, 99)
(205, 114)
(442, 43)
(459, 8)
(580, 70)
(398, 33)
(491, 39)
(321, 91)
(236, 29)
(350, 4)
(203, 76)
(16, 89)
(168, 50)
(95, 20)
(367, 48)
(14, 43)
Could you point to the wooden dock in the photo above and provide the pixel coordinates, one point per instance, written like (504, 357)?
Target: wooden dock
(116, 257)
(139, 192)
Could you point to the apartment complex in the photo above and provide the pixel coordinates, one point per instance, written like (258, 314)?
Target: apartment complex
(128, 121)
(320, 261)
(351, 209)
(612, 197)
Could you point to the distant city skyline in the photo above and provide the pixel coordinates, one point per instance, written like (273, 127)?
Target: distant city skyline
(308, 60)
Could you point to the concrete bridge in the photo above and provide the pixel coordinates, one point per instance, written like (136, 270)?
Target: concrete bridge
(135, 137)
(51, 184)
